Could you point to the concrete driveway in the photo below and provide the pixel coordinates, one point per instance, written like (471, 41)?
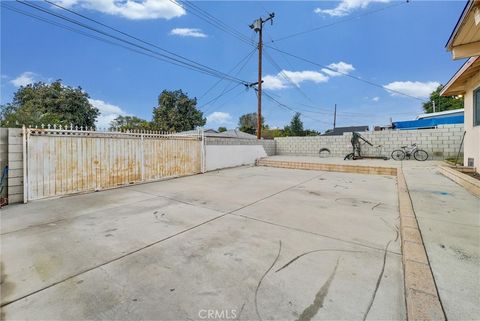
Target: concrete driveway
(249, 243)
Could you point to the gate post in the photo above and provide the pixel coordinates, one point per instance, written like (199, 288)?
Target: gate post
(143, 157)
(203, 164)
(25, 162)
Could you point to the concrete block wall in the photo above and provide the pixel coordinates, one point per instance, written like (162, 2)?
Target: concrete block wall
(268, 144)
(15, 165)
(3, 155)
(440, 143)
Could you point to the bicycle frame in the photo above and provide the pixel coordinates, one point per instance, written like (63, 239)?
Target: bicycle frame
(410, 150)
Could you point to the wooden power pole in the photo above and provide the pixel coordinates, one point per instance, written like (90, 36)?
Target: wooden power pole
(335, 117)
(257, 25)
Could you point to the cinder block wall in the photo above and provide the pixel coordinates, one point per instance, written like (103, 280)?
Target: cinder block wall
(3, 155)
(15, 165)
(440, 143)
(268, 145)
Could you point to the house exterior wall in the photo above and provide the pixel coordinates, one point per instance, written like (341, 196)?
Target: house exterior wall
(440, 143)
(472, 135)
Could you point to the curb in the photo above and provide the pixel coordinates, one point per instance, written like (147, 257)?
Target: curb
(469, 183)
(421, 294)
(359, 169)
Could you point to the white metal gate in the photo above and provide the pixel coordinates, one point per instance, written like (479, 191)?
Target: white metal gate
(66, 161)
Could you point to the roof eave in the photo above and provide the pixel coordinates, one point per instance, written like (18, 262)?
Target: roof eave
(465, 12)
(449, 89)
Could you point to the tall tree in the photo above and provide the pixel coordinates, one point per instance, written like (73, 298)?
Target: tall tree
(222, 129)
(55, 103)
(177, 112)
(130, 123)
(248, 123)
(442, 103)
(296, 126)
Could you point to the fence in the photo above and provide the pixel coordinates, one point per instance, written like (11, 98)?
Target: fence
(440, 143)
(66, 161)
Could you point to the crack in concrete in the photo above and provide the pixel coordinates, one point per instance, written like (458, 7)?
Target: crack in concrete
(379, 280)
(314, 251)
(263, 276)
(152, 244)
(309, 312)
(317, 234)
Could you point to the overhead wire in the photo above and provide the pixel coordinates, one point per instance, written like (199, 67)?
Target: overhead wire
(296, 34)
(170, 57)
(247, 57)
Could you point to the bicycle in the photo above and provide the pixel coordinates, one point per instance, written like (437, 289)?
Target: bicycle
(418, 154)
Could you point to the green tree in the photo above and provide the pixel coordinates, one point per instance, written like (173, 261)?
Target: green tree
(222, 129)
(130, 123)
(268, 133)
(311, 132)
(248, 123)
(55, 103)
(296, 126)
(176, 112)
(442, 103)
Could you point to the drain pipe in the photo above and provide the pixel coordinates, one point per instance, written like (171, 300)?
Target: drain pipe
(459, 149)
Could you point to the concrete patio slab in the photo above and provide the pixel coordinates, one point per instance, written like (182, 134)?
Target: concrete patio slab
(449, 220)
(225, 266)
(185, 249)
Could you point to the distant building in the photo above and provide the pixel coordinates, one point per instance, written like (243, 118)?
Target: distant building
(442, 114)
(464, 42)
(231, 133)
(338, 131)
(431, 120)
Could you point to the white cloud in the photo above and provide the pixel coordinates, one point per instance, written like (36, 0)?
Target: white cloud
(285, 78)
(413, 88)
(130, 9)
(274, 82)
(219, 117)
(188, 32)
(24, 79)
(338, 69)
(108, 112)
(345, 7)
(375, 99)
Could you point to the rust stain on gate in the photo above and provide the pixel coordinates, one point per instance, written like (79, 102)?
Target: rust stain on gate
(68, 161)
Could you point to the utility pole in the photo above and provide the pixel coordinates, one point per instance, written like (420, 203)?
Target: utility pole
(335, 117)
(257, 25)
(433, 105)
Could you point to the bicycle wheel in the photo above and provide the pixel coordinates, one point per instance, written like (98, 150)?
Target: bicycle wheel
(420, 155)
(398, 154)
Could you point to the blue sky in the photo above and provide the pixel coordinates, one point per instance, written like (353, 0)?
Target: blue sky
(393, 44)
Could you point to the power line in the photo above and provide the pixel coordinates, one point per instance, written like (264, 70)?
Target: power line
(212, 20)
(177, 58)
(226, 87)
(246, 58)
(287, 107)
(285, 76)
(344, 73)
(54, 23)
(272, 46)
(338, 22)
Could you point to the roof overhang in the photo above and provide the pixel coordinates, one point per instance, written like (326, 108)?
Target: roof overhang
(457, 84)
(464, 41)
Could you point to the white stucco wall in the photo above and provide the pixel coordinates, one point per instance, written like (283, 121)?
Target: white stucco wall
(472, 136)
(223, 156)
